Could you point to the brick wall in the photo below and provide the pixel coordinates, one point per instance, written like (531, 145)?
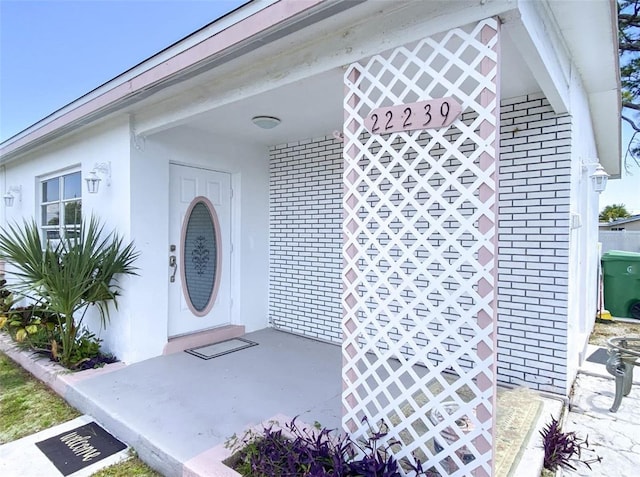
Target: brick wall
(306, 238)
(535, 174)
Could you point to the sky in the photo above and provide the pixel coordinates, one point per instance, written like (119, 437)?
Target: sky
(52, 52)
(624, 191)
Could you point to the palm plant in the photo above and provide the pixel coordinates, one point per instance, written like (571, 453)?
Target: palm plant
(68, 277)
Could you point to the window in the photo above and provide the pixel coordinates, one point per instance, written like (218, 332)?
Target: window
(61, 206)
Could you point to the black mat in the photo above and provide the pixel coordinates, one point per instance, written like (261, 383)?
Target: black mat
(221, 348)
(599, 356)
(78, 448)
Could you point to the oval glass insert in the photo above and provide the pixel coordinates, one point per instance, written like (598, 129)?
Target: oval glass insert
(200, 256)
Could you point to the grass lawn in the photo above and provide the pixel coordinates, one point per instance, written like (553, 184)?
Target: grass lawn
(28, 406)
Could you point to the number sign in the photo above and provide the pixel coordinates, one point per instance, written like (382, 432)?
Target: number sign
(430, 114)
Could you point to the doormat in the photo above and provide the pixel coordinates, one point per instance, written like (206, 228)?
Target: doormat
(80, 447)
(600, 356)
(220, 349)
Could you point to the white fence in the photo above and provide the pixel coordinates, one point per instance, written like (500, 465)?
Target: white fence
(628, 241)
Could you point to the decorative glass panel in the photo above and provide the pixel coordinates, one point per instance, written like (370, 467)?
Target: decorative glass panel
(72, 186)
(200, 255)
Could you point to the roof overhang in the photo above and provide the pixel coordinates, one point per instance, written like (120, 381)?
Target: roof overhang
(264, 22)
(253, 25)
(590, 33)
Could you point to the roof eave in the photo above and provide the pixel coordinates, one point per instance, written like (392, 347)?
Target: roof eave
(249, 26)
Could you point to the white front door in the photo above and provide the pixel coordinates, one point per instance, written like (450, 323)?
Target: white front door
(200, 250)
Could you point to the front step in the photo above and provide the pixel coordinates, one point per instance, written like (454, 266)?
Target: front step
(202, 338)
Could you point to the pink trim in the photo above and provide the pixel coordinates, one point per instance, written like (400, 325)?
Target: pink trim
(210, 462)
(246, 28)
(485, 256)
(349, 275)
(49, 372)
(216, 231)
(202, 338)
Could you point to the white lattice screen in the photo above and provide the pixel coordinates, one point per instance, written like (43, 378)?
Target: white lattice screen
(419, 274)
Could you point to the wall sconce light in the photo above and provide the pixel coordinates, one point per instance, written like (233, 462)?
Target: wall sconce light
(93, 180)
(265, 122)
(599, 179)
(13, 192)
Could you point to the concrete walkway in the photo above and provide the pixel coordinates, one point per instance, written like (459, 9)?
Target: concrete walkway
(178, 410)
(174, 410)
(613, 436)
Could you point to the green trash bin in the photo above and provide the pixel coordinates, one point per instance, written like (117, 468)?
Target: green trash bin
(621, 272)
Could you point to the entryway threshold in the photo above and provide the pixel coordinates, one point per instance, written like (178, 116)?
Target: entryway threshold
(203, 338)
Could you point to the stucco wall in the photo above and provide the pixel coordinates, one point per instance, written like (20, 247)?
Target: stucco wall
(625, 240)
(248, 166)
(136, 205)
(583, 251)
(108, 142)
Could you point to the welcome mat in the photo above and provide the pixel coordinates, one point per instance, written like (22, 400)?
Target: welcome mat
(220, 349)
(80, 447)
(517, 412)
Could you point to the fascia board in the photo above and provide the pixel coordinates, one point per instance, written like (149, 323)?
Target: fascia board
(606, 126)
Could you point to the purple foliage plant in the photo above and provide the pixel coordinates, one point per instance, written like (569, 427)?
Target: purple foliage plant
(564, 449)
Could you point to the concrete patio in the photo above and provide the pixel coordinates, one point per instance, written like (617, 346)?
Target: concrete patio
(178, 410)
(174, 408)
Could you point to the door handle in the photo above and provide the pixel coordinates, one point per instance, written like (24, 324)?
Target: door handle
(174, 264)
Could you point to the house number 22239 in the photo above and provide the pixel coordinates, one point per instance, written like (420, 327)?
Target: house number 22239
(430, 114)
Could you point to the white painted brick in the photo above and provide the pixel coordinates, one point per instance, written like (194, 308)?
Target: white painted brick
(306, 237)
(306, 194)
(533, 227)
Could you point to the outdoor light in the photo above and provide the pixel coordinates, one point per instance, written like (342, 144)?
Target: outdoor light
(599, 179)
(12, 193)
(265, 122)
(93, 180)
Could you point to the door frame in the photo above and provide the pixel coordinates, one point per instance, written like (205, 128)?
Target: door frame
(234, 262)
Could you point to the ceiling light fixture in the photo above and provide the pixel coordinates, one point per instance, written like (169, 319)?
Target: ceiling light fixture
(265, 122)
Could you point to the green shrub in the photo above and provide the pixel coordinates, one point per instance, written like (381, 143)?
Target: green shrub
(75, 273)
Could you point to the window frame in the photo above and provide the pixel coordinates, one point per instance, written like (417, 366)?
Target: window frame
(62, 228)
